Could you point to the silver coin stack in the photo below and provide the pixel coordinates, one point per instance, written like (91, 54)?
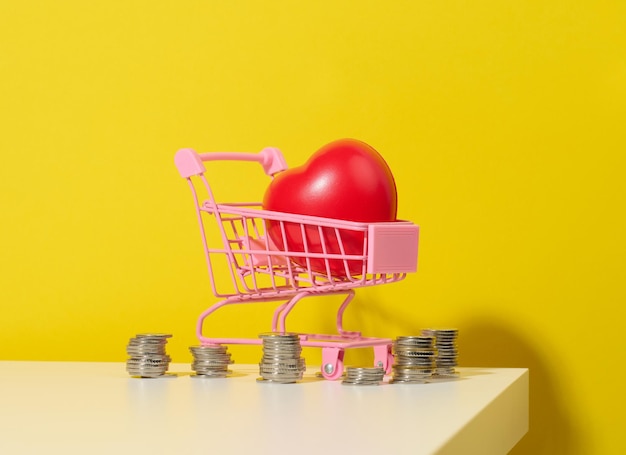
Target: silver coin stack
(148, 358)
(414, 359)
(281, 362)
(364, 376)
(210, 361)
(447, 351)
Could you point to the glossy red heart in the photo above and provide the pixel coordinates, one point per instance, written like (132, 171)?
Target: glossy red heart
(345, 180)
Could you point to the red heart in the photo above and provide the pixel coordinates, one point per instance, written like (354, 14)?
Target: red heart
(345, 180)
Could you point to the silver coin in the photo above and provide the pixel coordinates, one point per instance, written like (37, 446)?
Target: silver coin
(440, 331)
(145, 375)
(282, 353)
(279, 373)
(447, 352)
(208, 352)
(373, 370)
(158, 366)
(279, 335)
(209, 376)
(419, 340)
(146, 340)
(149, 360)
(280, 358)
(286, 362)
(416, 353)
(360, 382)
(363, 376)
(146, 372)
(208, 366)
(456, 374)
(280, 340)
(276, 381)
(145, 352)
(221, 357)
(408, 381)
(411, 367)
(147, 355)
(413, 373)
(208, 355)
(146, 345)
(154, 335)
(274, 367)
(210, 370)
(271, 371)
(281, 361)
(210, 361)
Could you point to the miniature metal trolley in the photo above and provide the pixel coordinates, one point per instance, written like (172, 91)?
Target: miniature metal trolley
(261, 271)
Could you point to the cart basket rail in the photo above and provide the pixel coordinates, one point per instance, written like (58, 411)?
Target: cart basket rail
(275, 254)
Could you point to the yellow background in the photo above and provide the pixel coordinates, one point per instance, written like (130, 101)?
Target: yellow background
(503, 123)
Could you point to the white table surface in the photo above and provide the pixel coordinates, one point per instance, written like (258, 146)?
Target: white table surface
(92, 408)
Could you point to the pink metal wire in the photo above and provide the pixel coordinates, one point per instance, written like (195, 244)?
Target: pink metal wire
(258, 271)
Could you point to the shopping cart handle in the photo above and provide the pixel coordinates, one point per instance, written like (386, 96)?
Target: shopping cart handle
(272, 160)
(189, 163)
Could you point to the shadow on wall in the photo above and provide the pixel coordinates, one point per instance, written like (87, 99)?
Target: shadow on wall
(488, 343)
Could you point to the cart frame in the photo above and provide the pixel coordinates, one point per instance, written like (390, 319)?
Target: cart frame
(319, 264)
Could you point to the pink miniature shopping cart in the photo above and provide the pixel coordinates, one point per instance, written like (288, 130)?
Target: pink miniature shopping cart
(259, 271)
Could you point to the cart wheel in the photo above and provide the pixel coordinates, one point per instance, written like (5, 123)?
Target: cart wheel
(383, 358)
(332, 363)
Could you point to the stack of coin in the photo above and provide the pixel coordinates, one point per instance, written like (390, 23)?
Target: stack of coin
(210, 361)
(281, 360)
(364, 376)
(414, 359)
(147, 355)
(447, 352)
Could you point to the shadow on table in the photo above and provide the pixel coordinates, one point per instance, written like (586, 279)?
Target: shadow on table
(491, 343)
